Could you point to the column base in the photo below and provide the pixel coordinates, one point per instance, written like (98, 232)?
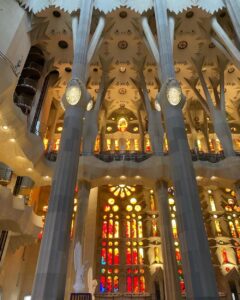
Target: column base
(81, 296)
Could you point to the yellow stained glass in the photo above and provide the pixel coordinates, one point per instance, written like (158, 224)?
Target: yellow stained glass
(133, 200)
(138, 208)
(115, 208)
(111, 201)
(129, 208)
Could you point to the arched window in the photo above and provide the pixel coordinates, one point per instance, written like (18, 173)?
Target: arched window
(122, 240)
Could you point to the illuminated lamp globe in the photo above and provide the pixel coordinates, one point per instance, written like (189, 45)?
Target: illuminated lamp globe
(174, 93)
(73, 92)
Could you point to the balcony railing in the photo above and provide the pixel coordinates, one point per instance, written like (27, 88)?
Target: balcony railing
(141, 156)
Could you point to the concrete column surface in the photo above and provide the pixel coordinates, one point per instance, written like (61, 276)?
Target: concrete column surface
(171, 284)
(50, 277)
(198, 270)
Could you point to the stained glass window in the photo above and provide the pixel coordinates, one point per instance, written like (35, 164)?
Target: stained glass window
(114, 228)
(172, 208)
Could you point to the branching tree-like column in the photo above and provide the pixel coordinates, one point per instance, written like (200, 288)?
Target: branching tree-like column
(216, 112)
(199, 276)
(156, 132)
(90, 129)
(51, 270)
(155, 127)
(233, 8)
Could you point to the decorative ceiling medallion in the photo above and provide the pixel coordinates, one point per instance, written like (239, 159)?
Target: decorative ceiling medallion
(182, 45)
(122, 91)
(122, 45)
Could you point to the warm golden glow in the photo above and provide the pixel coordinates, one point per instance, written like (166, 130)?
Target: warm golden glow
(171, 201)
(115, 208)
(129, 208)
(138, 208)
(122, 190)
(122, 124)
(111, 201)
(133, 200)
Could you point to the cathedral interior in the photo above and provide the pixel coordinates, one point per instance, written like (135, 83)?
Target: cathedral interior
(119, 149)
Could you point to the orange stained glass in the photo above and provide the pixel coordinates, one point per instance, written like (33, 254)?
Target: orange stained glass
(154, 227)
(135, 256)
(128, 229)
(141, 256)
(110, 229)
(142, 287)
(238, 254)
(224, 256)
(152, 203)
(128, 256)
(110, 256)
(232, 229)
(115, 284)
(135, 284)
(116, 256)
(116, 229)
(107, 208)
(237, 224)
(178, 255)
(134, 229)
(109, 284)
(140, 229)
(104, 229)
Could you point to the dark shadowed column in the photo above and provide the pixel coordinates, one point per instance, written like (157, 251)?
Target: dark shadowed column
(51, 270)
(171, 284)
(199, 276)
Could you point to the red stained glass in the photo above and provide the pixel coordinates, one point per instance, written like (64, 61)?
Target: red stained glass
(102, 284)
(178, 255)
(103, 256)
(116, 256)
(135, 256)
(182, 285)
(129, 256)
(135, 284)
(128, 229)
(142, 284)
(110, 229)
(110, 256)
(134, 229)
(109, 284)
(129, 284)
(115, 284)
(104, 229)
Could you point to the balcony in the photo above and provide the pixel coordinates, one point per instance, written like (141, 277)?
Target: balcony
(24, 102)
(32, 70)
(26, 86)
(122, 156)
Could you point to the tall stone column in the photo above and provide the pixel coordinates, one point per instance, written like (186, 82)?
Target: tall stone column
(171, 284)
(51, 270)
(199, 276)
